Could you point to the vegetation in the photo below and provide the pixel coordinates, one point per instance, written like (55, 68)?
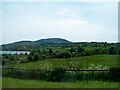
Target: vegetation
(18, 83)
(60, 74)
(50, 59)
(84, 62)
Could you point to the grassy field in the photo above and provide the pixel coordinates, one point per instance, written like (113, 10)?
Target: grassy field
(81, 62)
(0, 82)
(18, 83)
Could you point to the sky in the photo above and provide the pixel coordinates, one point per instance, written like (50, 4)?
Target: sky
(74, 21)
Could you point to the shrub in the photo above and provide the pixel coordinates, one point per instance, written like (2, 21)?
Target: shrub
(80, 49)
(115, 74)
(43, 57)
(64, 55)
(30, 57)
(112, 50)
(57, 74)
(35, 57)
(12, 57)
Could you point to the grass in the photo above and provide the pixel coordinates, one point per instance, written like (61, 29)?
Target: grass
(81, 62)
(18, 83)
(0, 82)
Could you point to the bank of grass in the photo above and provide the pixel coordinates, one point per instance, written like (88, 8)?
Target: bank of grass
(82, 62)
(19, 83)
(0, 82)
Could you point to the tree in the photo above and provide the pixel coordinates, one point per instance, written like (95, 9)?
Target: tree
(12, 57)
(50, 51)
(80, 49)
(56, 74)
(72, 50)
(112, 50)
(30, 57)
(36, 57)
(64, 54)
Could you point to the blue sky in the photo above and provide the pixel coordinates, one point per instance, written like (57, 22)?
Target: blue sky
(74, 21)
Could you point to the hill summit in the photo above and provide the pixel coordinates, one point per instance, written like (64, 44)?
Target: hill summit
(52, 40)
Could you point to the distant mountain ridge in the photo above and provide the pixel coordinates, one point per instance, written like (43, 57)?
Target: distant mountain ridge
(22, 44)
(52, 40)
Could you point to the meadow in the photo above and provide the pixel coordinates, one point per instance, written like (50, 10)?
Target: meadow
(19, 83)
(85, 62)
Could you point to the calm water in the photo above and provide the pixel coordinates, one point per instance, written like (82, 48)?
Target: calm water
(14, 52)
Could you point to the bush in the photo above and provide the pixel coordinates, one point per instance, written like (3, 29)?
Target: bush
(30, 57)
(115, 74)
(112, 50)
(64, 55)
(57, 74)
(43, 57)
(5, 55)
(35, 57)
(12, 57)
(25, 74)
(80, 49)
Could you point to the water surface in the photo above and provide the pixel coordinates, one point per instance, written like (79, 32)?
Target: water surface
(14, 52)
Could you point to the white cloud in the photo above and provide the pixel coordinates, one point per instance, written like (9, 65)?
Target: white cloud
(63, 11)
(70, 23)
(66, 12)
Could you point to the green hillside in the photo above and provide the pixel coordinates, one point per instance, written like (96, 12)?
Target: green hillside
(79, 62)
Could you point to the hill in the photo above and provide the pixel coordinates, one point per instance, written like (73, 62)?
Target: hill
(26, 45)
(52, 40)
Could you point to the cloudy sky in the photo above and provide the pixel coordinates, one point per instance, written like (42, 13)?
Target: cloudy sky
(74, 21)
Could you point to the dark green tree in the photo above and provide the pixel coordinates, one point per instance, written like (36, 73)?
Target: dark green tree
(112, 50)
(72, 50)
(50, 51)
(12, 57)
(80, 49)
(35, 57)
(30, 57)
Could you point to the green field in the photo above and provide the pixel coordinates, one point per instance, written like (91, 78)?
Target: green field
(18, 83)
(79, 62)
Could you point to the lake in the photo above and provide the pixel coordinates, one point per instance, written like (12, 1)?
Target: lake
(14, 52)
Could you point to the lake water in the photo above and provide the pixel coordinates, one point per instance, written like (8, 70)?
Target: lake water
(14, 52)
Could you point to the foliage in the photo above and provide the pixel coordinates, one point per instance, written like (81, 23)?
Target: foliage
(80, 49)
(36, 57)
(57, 74)
(50, 51)
(115, 74)
(12, 57)
(112, 50)
(30, 57)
